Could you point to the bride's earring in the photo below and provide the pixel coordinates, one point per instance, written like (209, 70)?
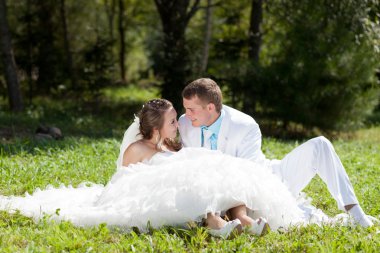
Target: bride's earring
(159, 142)
(157, 138)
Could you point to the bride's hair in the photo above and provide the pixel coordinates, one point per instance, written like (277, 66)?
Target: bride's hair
(152, 116)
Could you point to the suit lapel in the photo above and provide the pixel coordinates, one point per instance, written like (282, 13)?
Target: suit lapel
(224, 127)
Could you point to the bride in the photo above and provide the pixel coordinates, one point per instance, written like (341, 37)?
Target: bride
(158, 183)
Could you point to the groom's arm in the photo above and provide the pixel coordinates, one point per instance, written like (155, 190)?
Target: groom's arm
(250, 146)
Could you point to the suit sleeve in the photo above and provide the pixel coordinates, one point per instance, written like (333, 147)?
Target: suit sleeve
(250, 147)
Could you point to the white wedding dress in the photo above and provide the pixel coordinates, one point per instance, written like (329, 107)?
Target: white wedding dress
(171, 188)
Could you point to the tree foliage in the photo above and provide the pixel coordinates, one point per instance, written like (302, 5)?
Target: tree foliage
(6, 51)
(315, 63)
(324, 73)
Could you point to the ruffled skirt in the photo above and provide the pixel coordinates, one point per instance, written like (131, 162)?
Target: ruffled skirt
(168, 190)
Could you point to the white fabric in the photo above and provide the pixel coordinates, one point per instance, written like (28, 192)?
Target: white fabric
(131, 135)
(169, 189)
(240, 136)
(172, 189)
(357, 212)
(207, 138)
(316, 156)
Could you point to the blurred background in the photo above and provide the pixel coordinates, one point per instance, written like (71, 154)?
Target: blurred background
(298, 67)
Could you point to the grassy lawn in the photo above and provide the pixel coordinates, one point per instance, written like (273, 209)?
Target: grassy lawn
(88, 153)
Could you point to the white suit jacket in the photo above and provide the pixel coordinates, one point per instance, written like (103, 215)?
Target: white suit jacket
(239, 135)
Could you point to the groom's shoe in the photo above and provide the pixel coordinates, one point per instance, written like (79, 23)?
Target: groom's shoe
(366, 221)
(360, 217)
(373, 219)
(259, 227)
(229, 229)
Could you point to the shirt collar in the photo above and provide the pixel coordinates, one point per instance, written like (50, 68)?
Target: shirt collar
(215, 127)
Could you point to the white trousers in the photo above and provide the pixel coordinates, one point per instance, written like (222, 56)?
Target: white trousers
(316, 156)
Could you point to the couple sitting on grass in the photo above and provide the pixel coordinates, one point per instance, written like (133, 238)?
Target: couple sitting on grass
(217, 169)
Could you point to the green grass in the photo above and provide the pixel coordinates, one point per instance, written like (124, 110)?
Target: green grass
(27, 165)
(106, 117)
(88, 153)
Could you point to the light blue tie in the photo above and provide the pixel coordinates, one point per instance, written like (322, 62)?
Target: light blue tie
(212, 139)
(213, 142)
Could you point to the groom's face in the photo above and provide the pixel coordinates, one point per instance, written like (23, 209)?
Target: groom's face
(198, 112)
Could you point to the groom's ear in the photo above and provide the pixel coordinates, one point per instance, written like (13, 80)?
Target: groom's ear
(210, 107)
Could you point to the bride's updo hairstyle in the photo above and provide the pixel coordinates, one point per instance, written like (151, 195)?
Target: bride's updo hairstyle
(152, 116)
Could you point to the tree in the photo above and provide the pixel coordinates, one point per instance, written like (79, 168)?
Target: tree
(207, 36)
(15, 99)
(254, 33)
(173, 65)
(50, 55)
(228, 62)
(69, 58)
(121, 29)
(254, 46)
(322, 64)
(29, 61)
(110, 10)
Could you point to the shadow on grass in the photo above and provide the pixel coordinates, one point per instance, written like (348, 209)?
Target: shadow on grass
(298, 132)
(33, 146)
(108, 117)
(92, 120)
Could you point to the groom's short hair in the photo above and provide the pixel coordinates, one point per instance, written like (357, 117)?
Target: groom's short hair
(207, 90)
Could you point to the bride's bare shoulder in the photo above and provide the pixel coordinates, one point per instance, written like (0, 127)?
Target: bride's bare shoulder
(139, 145)
(136, 152)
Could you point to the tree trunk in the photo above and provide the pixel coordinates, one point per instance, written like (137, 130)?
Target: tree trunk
(110, 10)
(122, 41)
(13, 86)
(47, 61)
(254, 34)
(206, 41)
(254, 44)
(30, 51)
(69, 58)
(175, 16)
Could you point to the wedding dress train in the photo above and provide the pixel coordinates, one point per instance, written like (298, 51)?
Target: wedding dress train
(171, 189)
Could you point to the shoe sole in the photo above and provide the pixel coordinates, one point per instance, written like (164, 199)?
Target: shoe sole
(266, 229)
(235, 232)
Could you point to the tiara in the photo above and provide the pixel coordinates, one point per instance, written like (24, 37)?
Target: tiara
(156, 103)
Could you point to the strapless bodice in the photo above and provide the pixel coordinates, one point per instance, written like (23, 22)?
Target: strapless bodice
(159, 158)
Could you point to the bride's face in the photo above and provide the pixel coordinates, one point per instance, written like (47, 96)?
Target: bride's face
(169, 129)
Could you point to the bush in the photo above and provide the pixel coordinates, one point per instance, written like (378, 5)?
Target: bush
(323, 73)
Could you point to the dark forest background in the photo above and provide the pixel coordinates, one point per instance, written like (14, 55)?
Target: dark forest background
(310, 64)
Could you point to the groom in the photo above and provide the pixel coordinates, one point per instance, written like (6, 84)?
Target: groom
(210, 124)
